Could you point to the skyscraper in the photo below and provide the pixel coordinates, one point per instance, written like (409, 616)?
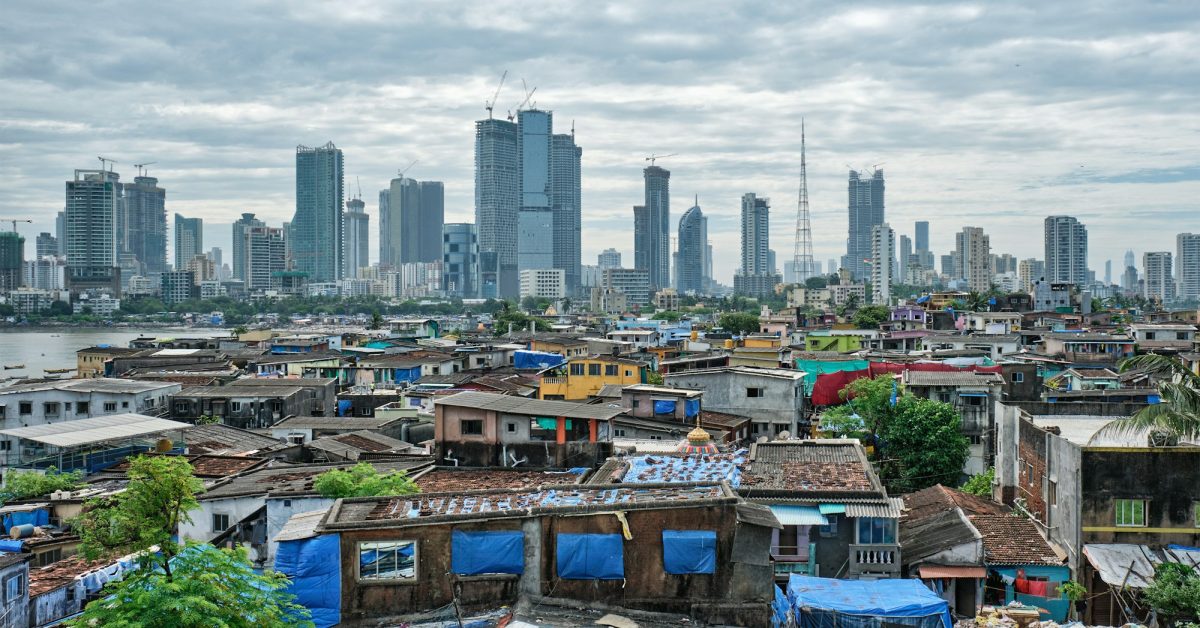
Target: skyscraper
(1066, 250)
(12, 258)
(906, 252)
(652, 243)
(866, 210)
(460, 260)
(189, 239)
(239, 243)
(609, 258)
(46, 245)
(1187, 265)
(693, 250)
(566, 201)
(146, 223)
(411, 228)
(1129, 278)
(358, 234)
(497, 199)
(263, 253)
(60, 232)
(922, 236)
(535, 229)
(1158, 285)
(883, 254)
(755, 277)
(973, 253)
(1029, 271)
(93, 199)
(316, 230)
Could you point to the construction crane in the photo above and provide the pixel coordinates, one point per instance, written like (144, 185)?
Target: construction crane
(14, 223)
(528, 95)
(651, 158)
(142, 167)
(489, 104)
(104, 161)
(359, 185)
(406, 168)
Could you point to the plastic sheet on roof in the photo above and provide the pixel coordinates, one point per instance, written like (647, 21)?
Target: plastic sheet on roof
(693, 468)
(691, 407)
(826, 603)
(536, 360)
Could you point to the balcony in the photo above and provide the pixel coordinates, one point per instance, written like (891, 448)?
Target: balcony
(804, 565)
(875, 560)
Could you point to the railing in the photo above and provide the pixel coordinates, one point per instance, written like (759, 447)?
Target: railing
(874, 559)
(553, 380)
(786, 565)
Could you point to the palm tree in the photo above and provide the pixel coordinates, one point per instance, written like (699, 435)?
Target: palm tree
(1178, 412)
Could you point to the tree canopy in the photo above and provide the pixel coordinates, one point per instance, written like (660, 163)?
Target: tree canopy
(30, 484)
(1175, 592)
(739, 323)
(1178, 414)
(363, 480)
(870, 316)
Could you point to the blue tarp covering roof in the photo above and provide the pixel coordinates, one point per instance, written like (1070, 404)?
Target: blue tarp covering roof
(691, 407)
(499, 551)
(39, 517)
(923, 299)
(780, 609)
(831, 603)
(689, 551)
(698, 468)
(315, 569)
(590, 556)
(536, 359)
(12, 546)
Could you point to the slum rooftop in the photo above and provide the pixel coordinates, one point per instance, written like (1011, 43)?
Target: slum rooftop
(458, 479)
(951, 378)
(439, 507)
(92, 385)
(347, 423)
(294, 479)
(521, 405)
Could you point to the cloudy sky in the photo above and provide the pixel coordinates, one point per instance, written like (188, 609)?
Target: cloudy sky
(984, 114)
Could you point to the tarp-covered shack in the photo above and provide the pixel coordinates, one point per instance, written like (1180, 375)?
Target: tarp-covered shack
(829, 603)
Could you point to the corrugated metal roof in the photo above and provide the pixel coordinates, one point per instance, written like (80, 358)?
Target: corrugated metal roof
(99, 429)
(301, 525)
(790, 515)
(889, 510)
(1123, 564)
(522, 405)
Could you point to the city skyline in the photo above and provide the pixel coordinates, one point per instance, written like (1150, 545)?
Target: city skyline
(1041, 145)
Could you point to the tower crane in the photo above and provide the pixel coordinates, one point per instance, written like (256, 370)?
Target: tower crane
(528, 95)
(406, 168)
(104, 161)
(142, 167)
(651, 158)
(489, 104)
(14, 222)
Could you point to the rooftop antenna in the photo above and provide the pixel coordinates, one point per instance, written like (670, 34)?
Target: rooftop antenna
(651, 158)
(142, 167)
(104, 161)
(802, 255)
(489, 104)
(407, 168)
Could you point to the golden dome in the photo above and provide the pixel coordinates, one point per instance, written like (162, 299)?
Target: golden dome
(698, 436)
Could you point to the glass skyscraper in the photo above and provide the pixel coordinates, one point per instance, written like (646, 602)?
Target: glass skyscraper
(189, 240)
(652, 228)
(693, 252)
(316, 230)
(146, 223)
(496, 205)
(1066, 250)
(93, 200)
(866, 210)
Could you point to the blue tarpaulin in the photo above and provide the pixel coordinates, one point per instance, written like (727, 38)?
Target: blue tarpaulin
(664, 407)
(12, 546)
(39, 517)
(536, 359)
(590, 557)
(315, 569)
(474, 553)
(691, 407)
(689, 551)
(779, 609)
(829, 603)
(344, 406)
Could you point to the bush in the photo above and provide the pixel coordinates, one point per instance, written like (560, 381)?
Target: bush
(30, 484)
(363, 480)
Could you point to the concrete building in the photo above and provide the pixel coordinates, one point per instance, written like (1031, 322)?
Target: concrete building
(1029, 271)
(535, 248)
(652, 228)
(146, 223)
(358, 236)
(566, 203)
(497, 199)
(974, 397)
(1159, 285)
(460, 260)
(46, 245)
(756, 277)
(882, 269)
(93, 200)
(693, 252)
(264, 252)
(411, 229)
(866, 210)
(1066, 250)
(1187, 265)
(544, 283)
(316, 231)
(12, 260)
(772, 398)
(904, 258)
(974, 256)
(633, 283)
(609, 258)
(189, 239)
(176, 286)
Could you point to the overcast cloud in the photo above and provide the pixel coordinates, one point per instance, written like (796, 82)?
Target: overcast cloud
(983, 114)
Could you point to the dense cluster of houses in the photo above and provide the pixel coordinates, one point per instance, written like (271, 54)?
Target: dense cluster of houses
(647, 468)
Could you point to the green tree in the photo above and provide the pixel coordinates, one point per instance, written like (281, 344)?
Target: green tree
(363, 480)
(30, 484)
(60, 308)
(981, 484)
(739, 323)
(239, 330)
(207, 419)
(654, 378)
(1175, 592)
(870, 316)
(376, 321)
(670, 316)
(206, 587)
(1178, 414)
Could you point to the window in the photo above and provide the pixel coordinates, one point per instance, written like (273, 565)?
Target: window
(387, 560)
(1196, 514)
(2, 407)
(220, 522)
(511, 427)
(620, 431)
(876, 531)
(975, 439)
(1131, 513)
(110, 406)
(610, 370)
(14, 588)
(1018, 378)
(50, 408)
(26, 407)
(125, 404)
(82, 407)
(754, 392)
(593, 369)
(1051, 493)
(471, 426)
(5, 445)
(49, 556)
(972, 401)
(577, 369)
(830, 529)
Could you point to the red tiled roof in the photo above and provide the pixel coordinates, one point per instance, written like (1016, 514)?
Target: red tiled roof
(59, 574)
(1013, 540)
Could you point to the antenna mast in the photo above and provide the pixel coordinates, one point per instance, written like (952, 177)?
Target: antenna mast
(802, 257)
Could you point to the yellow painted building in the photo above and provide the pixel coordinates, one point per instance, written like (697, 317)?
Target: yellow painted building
(582, 377)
